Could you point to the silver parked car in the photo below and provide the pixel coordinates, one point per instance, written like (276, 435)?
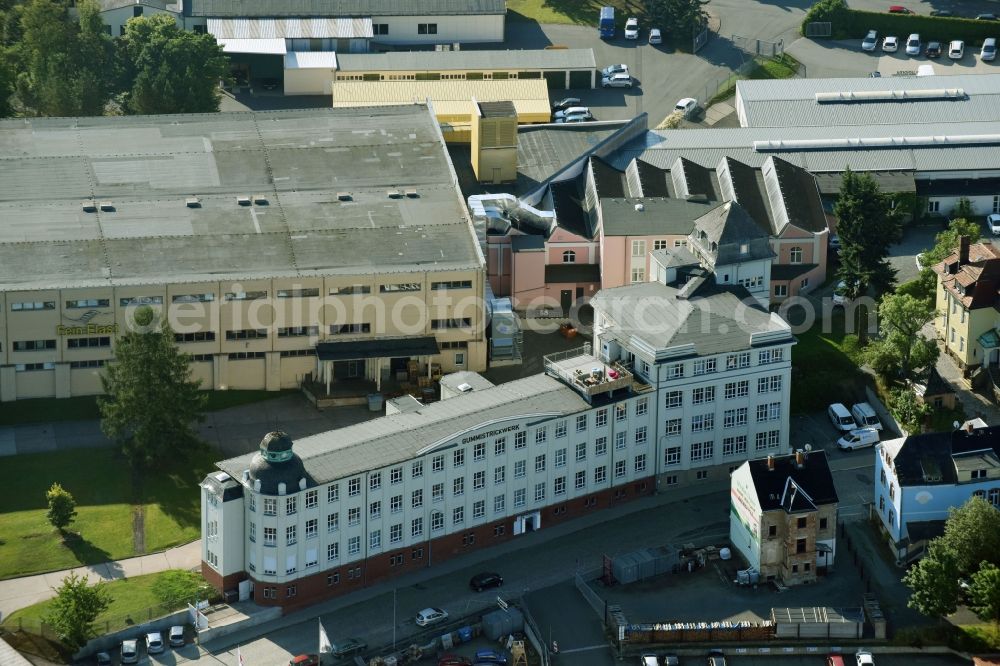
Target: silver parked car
(617, 81)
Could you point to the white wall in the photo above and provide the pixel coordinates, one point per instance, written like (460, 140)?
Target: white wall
(981, 205)
(308, 81)
(116, 18)
(466, 28)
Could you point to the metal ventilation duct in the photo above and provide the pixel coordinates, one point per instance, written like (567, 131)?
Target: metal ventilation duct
(856, 143)
(853, 96)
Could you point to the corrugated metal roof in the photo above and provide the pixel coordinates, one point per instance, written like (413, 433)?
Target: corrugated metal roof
(792, 102)
(341, 453)
(453, 97)
(290, 28)
(707, 146)
(236, 8)
(311, 60)
(262, 46)
(442, 61)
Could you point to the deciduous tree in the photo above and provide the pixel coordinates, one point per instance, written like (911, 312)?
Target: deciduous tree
(902, 349)
(972, 534)
(984, 594)
(681, 19)
(169, 70)
(933, 582)
(62, 507)
(907, 409)
(74, 609)
(150, 401)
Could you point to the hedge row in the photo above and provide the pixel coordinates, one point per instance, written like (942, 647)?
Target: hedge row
(854, 24)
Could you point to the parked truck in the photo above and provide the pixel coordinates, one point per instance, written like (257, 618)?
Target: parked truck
(607, 24)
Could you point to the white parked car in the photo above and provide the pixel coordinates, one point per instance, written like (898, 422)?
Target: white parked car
(865, 658)
(993, 222)
(841, 418)
(865, 416)
(870, 41)
(574, 119)
(176, 636)
(429, 616)
(956, 49)
(617, 81)
(572, 111)
(989, 50)
(632, 28)
(913, 45)
(839, 295)
(890, 44)
(686, 106)
(130, 652)
(610, 70)
(154, 642)
(655, 36)
(858, 439)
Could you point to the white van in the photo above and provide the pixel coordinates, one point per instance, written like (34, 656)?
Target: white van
(840, 417)
(858, 439)
(865, 416)
(989, 50)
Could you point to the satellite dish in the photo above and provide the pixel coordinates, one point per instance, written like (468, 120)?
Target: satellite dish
(956, 425)
(809, 447)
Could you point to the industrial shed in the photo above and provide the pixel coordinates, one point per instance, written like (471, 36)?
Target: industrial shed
(451, 100)
(560, 68)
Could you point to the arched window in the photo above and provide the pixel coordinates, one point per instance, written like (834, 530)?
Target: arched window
(795, 255)
(994, 496)
(569, 257)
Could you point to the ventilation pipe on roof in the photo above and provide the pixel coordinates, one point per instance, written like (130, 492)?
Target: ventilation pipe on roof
(770, 463)
(800, 458)
(963, 250)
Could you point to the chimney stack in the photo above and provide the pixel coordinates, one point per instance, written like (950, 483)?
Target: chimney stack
(800, 458)
(963, 250)
(969, 427)
(770, 463)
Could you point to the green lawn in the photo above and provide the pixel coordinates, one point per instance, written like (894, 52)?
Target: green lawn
(131, 598)
(784, 67)
(100, 481)
(580, 12)
(82, 408)
(824, 364)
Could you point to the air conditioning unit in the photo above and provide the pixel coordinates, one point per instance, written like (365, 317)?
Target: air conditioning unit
(394, 194)
(344, 196)
(107, 207)
(89, 206)
(192, 202)
(412, 194)
(260, 199)
(243, 201)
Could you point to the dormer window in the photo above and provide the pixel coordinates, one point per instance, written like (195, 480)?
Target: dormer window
(978, 474)
(745, 248)
(714, 246)
(703, 236)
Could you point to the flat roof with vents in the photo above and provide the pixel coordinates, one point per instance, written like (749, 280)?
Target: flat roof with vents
(868, 101)
(107, 201)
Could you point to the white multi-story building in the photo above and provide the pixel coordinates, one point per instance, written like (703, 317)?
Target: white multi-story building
(350, 507)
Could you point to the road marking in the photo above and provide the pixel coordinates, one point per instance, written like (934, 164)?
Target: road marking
(605, 646)
(256, 224)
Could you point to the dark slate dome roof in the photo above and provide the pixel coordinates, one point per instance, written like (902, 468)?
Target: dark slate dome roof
(276, 463)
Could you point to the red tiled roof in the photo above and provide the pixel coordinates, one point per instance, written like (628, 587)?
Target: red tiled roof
(979, 278)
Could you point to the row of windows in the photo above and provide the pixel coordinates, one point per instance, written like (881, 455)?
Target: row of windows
(71, 343)
(730, 446)
(732, 390)
(730, 362)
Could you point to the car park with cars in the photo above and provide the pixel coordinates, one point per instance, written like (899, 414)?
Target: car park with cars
(956, 49)
(986, 17)
(102, 659)
(450, 659)
(489, 656)
(686, 107)
(890, 44)
(611, 70)
(870, 41)
(154, 642)
(304, 660)
(913, 45)
(864, 658)
(943, 13)
(348, 646)
(933, 50)
(572, 111)
(899, 9)
(865, 416)
(655, 36)
(176, 636)
(566, 102)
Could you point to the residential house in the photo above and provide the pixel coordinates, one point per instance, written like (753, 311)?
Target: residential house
(783, 516)
(920, 478)
(967, 302)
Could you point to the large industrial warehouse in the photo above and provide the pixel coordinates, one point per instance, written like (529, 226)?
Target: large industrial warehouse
(324, 244)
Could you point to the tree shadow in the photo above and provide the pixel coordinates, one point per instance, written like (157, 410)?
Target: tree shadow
(88, 554)
(174, 488)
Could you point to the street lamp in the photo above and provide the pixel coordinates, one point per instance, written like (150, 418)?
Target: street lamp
(430, 528)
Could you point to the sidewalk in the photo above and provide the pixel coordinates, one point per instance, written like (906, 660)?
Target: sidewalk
(17, 593)
(973, 403)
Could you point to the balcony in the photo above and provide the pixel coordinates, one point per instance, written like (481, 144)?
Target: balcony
(586, 373)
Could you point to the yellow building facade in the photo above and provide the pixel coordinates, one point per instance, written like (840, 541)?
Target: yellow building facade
(270, 242)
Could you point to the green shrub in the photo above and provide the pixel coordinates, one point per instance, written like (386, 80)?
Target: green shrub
(855, 24)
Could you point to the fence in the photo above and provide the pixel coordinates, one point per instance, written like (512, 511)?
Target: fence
(759, 47)
(534, 636)
(106, 625)
(592, 598)
(717, 86)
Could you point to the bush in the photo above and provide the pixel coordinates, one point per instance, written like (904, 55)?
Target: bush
(177, 586)
(855, 24)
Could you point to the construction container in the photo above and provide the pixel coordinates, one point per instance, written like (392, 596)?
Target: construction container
(501, 623)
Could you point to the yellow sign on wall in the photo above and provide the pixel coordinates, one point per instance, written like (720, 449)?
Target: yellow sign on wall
(88, 329)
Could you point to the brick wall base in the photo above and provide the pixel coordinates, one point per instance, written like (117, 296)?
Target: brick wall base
(335, 581)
